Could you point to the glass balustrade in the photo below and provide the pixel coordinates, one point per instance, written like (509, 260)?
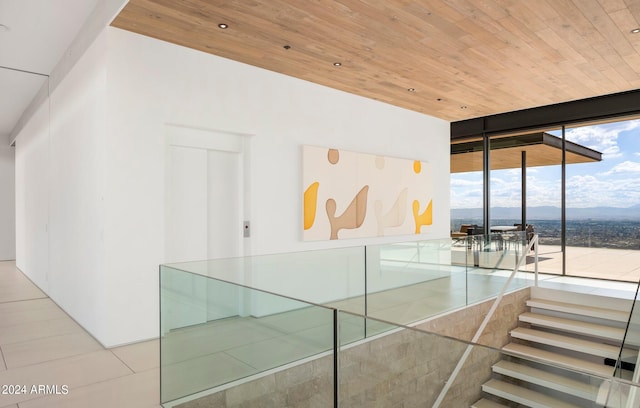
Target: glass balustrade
(239, 325)
(215, 332)
(627, 365)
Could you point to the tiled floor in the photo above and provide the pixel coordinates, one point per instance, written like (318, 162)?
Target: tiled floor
(41, 346)
(597, 263)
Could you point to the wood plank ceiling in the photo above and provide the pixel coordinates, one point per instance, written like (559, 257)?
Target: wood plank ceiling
(452, 59)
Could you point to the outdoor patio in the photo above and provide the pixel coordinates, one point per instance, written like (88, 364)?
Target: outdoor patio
(595, 263)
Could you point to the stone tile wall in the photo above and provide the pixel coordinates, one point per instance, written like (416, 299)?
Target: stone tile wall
(309, 385)
(463, 324)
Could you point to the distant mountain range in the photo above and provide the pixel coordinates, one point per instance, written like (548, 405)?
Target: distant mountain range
(551, 213)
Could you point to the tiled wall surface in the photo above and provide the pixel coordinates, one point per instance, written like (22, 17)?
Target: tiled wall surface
(309, 385)
(464, 323)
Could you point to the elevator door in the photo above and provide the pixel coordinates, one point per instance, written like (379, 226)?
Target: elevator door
(204, 220)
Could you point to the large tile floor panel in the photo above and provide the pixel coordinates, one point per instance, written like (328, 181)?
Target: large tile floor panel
(40, 345)
(138, 390)
(74, 372)
(48, 348)
(37, 330)
(140, 356)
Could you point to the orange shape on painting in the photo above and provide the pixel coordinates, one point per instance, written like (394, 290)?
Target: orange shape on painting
(333, 156)
(310, 205)
(417, 166)
(352, 217)
(426, 218)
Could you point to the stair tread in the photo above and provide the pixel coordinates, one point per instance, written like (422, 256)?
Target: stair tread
(571, 363)
(591, 329)
(485, 403)
(568, 342)
(582, 310)
(522, 395)
(546, 379)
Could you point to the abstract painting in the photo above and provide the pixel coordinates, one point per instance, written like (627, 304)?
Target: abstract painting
(354, 195)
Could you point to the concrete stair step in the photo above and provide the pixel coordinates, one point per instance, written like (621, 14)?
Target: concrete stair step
(523, 396)
(574, 326)
(546, 379)
(570, 343)
(557, 359)
(485, 403)
(582, 310)
(585, 299)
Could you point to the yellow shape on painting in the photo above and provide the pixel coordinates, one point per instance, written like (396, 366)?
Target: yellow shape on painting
(417, 166)
(426, 218)
(310, 205)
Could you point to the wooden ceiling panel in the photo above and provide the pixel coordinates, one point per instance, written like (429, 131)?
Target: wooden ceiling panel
(463, 58)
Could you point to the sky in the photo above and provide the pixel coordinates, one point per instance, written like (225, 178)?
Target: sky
(613, 182)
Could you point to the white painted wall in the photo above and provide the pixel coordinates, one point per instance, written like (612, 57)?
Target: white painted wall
(104, 184)
(60, 186)
(78, 133)
(32, 198)
(7, 204)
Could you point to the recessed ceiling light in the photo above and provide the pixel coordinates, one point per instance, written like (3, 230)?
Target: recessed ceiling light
(4, 27)
(411, 89)
(337, 64)
(223, 26)
(635, 31)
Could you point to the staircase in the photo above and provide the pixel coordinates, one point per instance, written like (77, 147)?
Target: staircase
(564, 334)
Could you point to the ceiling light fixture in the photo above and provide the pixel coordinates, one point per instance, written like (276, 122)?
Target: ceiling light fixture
(635, 31)
(337, 64)
(411, 89)
(286, 47)
(223, 26)
(463, 107)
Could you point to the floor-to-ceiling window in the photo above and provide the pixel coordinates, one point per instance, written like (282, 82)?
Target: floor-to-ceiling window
(467, 184)
(586, 211)
(505, 184)
(603, 203)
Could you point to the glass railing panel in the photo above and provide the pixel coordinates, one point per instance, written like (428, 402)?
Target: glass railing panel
(333, 277)
(621, 394)
(463, 252)
(496, 257)
(408, 367)
(627, 365)
(215, 332)
(500, 250)
(408, 282)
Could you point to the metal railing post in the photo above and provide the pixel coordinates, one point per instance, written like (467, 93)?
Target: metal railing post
(485, 322)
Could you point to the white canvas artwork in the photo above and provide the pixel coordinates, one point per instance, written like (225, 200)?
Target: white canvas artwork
(354, 195)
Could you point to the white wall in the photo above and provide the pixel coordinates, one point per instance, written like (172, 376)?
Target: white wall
(7, 204)
(107, 176)
(32, 198)
(59, 200)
